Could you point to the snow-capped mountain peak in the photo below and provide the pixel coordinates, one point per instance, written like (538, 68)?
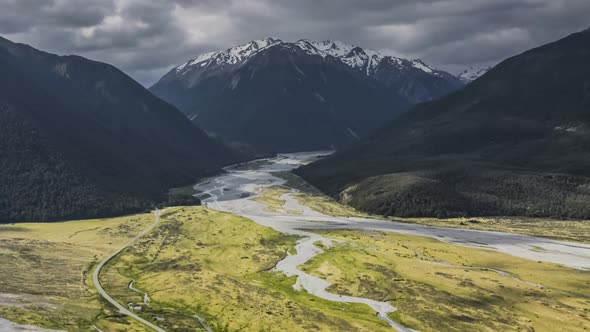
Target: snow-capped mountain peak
(334, 91)
(244, 51)
(334, 48)
(232, 56)
(472, 73)
(362, 59)
(354, 56)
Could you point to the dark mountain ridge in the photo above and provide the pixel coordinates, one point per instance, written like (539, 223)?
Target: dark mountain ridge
(82, 139)
(513, 142)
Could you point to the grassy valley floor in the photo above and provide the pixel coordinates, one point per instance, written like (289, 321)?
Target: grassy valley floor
(438, 286)
(45, 274)
(203, 269)
(441, 287)
(219, 266)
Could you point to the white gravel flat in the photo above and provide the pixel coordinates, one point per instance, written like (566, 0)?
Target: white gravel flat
(8, 326)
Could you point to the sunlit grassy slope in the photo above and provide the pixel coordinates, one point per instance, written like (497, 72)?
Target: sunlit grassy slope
(442, 287)
(45, 274)
(271, 197)
(218, 266)
(567, 230)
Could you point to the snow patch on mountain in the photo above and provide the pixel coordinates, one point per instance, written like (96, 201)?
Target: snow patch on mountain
(319, 97)
(472, 73)
(422, 66)
(353, 134)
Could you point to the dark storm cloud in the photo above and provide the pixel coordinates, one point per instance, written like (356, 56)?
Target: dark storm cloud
(146, 38)
(24, 15)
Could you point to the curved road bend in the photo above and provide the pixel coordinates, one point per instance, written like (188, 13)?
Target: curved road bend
(106, 296)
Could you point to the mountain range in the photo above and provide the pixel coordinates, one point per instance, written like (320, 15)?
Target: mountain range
(513, 142)
(80, 139)
(277, 96)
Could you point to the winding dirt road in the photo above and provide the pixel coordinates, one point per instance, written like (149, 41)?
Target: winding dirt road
(106, 296)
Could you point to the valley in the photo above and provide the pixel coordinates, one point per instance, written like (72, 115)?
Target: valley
(267, 252)
(270, 166)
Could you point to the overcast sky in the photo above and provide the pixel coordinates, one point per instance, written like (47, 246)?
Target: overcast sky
(145, 38)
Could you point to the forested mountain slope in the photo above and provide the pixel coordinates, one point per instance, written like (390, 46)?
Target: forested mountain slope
(516, 141)
(79, 138)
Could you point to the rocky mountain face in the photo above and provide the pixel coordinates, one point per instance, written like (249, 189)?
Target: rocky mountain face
(79, 139)
(286, 96)
(513, 142)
